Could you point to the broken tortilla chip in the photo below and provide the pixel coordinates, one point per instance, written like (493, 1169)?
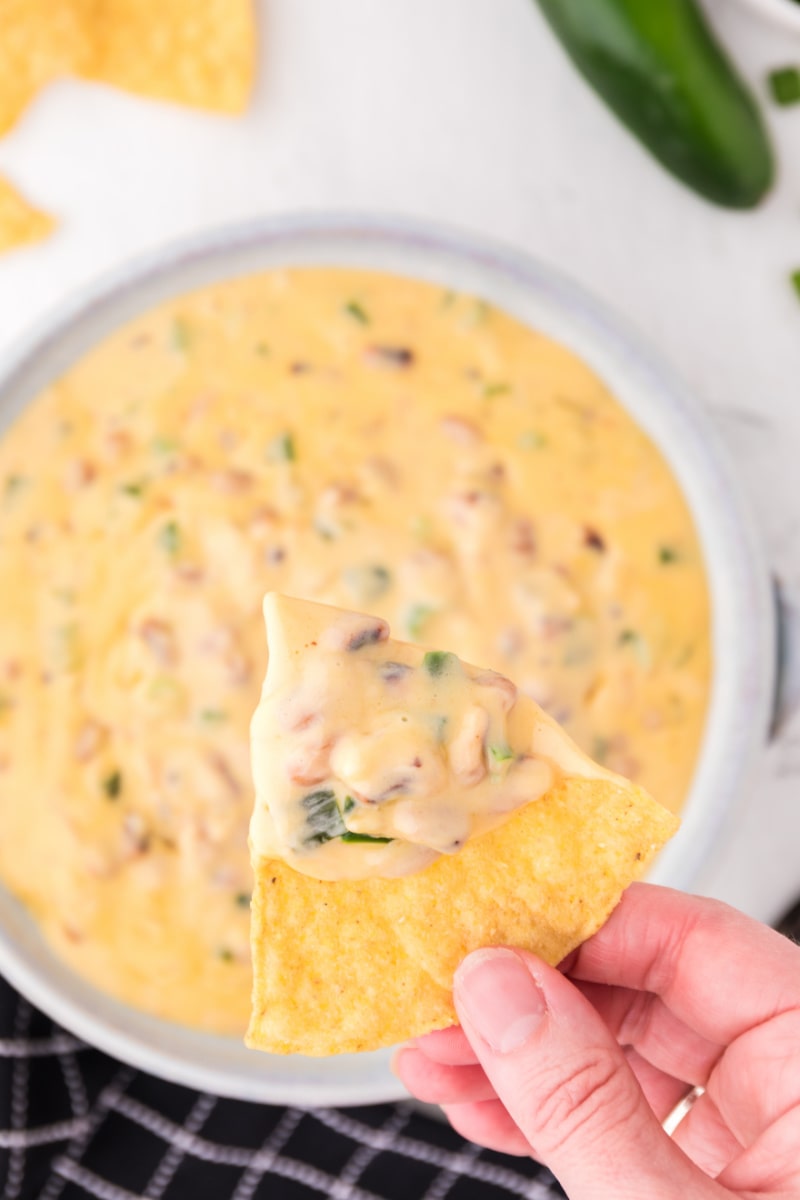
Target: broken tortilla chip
(195, 52)
(365, 749)
(359, 964)
(20, 222)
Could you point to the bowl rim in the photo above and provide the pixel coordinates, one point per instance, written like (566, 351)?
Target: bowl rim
(782, 12)
(725, 525)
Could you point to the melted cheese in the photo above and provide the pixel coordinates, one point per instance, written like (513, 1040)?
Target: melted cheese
(360, 440)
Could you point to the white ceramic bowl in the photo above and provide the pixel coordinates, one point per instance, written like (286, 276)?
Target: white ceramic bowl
(743, 617)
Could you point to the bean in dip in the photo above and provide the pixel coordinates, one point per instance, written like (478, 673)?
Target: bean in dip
(411, 808)
(364, 441)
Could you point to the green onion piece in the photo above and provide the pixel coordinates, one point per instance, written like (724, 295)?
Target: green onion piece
(13, 485)
(501, 754)
(164, 445)
(795, 281)
(417, 618)
(531, 439)
(242, 899)
(667, 555)
(212, 716)
(436, 662)
(112, 785)
(133, 489)
(281, 448)
(354, 310)
(367, 583)
(495, 389)
(323, 819)
(364, 837)
(600, 749)
(169, 538)
(629, 637)
(181, 334)
(349, 804)
(784, 83)
(225, 955)
(262, 349)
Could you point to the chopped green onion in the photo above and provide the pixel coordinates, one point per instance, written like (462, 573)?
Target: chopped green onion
(629, 637)
(417, 618)
(282, 448)
(354, 310)
(364, 837)
(667, 555)
(213, 716)
(490, 390)
(242, 899)
(164, 445)
(349, 804)
(531, 439)
(367, 583)
(323, 819)
(169, 538)
(784, 84)
(112, 785)
(795, 281)
(181, 334)
(436, 662)
(600, 749)
(13, 485)
(225, 955)
(133, 489)
(501, 754)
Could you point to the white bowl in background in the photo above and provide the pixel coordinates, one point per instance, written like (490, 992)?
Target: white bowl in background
(744, 627)
(781, 12)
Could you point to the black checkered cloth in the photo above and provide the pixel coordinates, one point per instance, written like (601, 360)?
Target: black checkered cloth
(75, 1123)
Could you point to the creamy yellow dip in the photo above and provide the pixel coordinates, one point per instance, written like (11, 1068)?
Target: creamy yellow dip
(369, 442)
(372, 757)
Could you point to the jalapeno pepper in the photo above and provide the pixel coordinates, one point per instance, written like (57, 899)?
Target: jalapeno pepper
(658, 67)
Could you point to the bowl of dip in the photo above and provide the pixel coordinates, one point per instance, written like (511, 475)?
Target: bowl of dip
(371, 413)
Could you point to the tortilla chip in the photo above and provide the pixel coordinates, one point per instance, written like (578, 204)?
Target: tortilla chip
(40, 40)
(196, 52)
(356, 965)
(19, 221)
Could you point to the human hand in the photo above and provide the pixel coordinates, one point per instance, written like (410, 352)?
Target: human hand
(579, 1066)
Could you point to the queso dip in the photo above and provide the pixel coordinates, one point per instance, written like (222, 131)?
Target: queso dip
(370, 442)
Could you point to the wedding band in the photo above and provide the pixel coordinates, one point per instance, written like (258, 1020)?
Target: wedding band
(681, 1110)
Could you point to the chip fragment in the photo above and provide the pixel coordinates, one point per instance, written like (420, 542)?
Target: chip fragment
(20, 222)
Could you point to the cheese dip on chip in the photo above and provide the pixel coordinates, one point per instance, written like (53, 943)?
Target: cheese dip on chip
(363, 441)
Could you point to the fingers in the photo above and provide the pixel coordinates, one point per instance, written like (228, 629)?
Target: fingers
(565, 1082)
(448, 1046)
(771, 1166)
(696, 955)
(644, 1021)
(435, 1083)
(489, 1125)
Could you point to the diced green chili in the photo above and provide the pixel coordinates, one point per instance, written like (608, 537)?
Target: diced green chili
(490, 390)
(501, 754)
(349, 804)
(436, 662)
(262, 349)
(323, 819)
(13, 485)
(164, 445)
(364, 837)
(181, 334)
(417, 618)
(242, 899)
(634, 640)
(225, 955)
(367, 582)
(784, 83)
(667, 555)
(213, 716)
(531, 439)
(281, 448)
(600, 749)
(794, 278)
(112, 785)
(169, 539)
(354, 310)
(134, 488)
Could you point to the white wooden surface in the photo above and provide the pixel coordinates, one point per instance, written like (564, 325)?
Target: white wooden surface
(466, 112)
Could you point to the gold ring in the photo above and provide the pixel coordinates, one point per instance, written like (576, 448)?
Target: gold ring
(681, 1110)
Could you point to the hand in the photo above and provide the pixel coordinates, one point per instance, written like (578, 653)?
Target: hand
(579, 1066)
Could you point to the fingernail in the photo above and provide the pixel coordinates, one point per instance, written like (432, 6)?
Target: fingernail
(499, 997)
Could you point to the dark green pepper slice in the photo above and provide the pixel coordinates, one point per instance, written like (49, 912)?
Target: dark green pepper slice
(658, 66)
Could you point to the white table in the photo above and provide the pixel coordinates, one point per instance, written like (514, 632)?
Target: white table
(466, 112)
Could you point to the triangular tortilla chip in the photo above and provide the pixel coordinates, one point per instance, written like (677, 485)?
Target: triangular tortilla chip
(356, 964)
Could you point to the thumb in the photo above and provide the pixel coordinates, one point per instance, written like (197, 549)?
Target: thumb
(565, 1082)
